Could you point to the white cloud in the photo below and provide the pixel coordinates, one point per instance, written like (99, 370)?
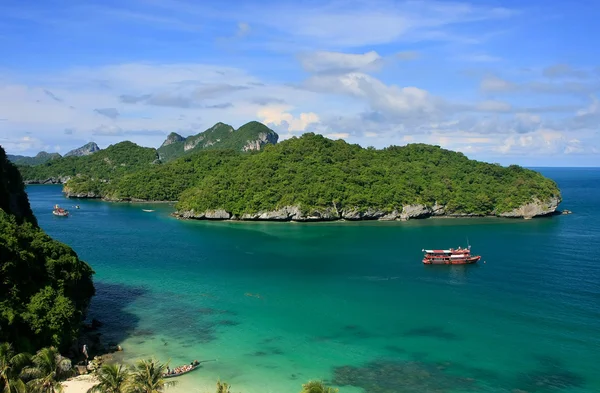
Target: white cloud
(493, 83)
(337, 62)
(278, 115)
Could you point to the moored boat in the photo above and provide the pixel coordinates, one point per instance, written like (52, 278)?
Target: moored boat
(458, 256)
(182, 369)
(59, 211)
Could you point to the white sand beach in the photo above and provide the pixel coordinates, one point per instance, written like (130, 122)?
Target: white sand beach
(79, 384)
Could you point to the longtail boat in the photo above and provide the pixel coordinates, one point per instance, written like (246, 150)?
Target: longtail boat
(186, 368)
(459, 256)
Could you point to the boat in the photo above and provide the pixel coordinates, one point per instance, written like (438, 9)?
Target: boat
(186, 368)
(148, 210)
(458, 256)
(59, 211)
(76, 206)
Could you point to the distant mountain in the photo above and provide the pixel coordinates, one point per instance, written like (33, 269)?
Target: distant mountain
(250, 136)
(40, 158)
(85, 150)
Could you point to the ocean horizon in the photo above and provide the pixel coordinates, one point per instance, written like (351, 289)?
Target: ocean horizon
(277, 304)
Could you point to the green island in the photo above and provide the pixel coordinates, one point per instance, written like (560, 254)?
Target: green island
(46, 290)
(306, 178)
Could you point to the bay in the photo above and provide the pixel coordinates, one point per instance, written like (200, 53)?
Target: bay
(278, 304)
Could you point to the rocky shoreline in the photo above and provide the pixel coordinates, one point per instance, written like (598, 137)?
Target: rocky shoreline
(530, 210)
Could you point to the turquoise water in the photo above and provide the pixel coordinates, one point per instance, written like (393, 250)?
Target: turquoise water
(280, 303)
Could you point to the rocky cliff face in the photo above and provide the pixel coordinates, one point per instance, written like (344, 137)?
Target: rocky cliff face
(84, 150)
(534, 209)
(264, 138)
(50, 180)
(414, 211)
(172, 138)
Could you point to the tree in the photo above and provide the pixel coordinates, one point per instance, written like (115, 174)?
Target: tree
(148, 377)
(112, 378)
(223, 387)
(49, 367)
(11, 365)
(317, 387)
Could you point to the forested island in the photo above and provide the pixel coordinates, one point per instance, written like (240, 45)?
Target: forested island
(307, 178)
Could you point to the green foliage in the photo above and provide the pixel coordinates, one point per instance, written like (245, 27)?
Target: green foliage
(45, 287)
(41, 158)
(316, 173)
(11, 365)
(223, 387)
(147, 377)
(49, 367)
(317, 387)
(219, 136)
(107, 164)
(112, 378)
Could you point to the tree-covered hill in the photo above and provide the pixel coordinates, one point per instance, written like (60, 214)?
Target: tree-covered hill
(45, 288)
(40, 158)
(324, 179)
(250, 136)
(105, 165)
(319, 175)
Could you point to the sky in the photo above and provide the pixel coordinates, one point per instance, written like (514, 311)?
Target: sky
(504, 81)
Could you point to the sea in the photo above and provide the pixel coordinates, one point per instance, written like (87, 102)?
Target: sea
(273, 305)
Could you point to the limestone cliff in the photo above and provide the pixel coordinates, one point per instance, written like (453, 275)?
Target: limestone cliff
(407, 212)
(85, 150)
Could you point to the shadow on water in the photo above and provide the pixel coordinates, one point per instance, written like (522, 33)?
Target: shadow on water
(431, 332)
(392, 376)
(551, 376)
(109, 306)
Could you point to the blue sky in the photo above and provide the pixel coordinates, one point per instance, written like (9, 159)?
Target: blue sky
(502, 81)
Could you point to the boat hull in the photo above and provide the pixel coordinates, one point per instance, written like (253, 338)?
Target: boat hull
(60, 214)
(181, 373)
(451, 261)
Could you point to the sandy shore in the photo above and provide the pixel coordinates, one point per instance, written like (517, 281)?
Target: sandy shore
(79, 384)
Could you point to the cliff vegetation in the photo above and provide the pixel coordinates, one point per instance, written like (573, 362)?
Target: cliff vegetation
(45, 287)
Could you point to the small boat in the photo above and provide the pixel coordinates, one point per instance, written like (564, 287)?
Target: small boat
(59, 211)
(76, 206)
(183, 369)
(147, 210)
(458, 256)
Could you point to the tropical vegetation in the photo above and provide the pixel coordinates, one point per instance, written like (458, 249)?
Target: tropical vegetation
(220, 136)
(43, 373)
(311, 172)
(45, 287)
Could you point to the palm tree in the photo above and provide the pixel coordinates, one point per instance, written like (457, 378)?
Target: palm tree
(317, 387)
(148, 377)
(11, 365)
(112, 378)
(48, 368)
(223, 387)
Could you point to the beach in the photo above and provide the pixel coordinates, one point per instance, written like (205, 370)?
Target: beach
(79, 384)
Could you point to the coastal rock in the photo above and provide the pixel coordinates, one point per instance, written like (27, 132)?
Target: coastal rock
(89, 195)
(264, 138)
(534, 209)
(329, 214)
(354, 214)
(415, 211)
(394, 215)
(50, 180)
(218, 214)
(438, 210)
